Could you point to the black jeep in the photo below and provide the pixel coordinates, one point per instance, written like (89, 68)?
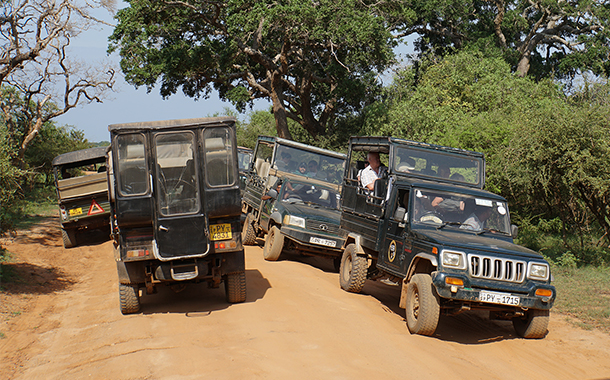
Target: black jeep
(429, 227)
(174, 187)
(292, 195)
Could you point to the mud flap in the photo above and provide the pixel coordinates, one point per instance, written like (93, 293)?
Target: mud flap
(130, 273)
(403, 294)
(233, 262)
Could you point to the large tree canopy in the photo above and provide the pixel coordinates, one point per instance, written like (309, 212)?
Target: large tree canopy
(312, 59)
(539, 37)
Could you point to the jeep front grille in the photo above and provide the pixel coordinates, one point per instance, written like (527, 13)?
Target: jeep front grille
(493, 268)
(316, 225)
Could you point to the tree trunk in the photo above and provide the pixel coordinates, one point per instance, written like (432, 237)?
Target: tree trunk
(524, 65)
(279, 112)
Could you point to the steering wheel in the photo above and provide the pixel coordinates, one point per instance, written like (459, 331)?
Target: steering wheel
(431, 216)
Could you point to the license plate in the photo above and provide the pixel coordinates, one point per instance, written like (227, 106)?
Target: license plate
(221, 231)
(76, 211)
(325, 242)
(498, 298)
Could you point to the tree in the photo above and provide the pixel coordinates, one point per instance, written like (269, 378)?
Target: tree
(36, 73)
(552, 37)
(312, 59)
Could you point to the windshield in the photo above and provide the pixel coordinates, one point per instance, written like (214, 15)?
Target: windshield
(451, 167)
(301, 192)
(453, 210)
(309, 164)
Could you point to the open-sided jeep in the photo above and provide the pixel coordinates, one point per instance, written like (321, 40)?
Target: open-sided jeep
(429, 227)
(82, 192)
(176, 207)
(292, 194)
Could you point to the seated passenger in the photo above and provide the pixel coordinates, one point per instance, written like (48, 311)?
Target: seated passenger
(372, 172)
(302, 169)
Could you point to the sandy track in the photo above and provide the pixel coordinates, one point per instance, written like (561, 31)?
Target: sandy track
(65, 323)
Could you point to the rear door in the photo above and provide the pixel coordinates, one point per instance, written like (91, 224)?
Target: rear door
(180, 224)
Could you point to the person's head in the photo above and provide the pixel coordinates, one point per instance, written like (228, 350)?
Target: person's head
(458, 177)
(444, 171)
(483, 213)
(286, 157)
(373, 159)
(302, 168)
(312, 166)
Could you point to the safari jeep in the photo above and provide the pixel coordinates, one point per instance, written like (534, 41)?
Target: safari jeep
(82, 192)
(176, 207)
(292, 195)
(429, 227)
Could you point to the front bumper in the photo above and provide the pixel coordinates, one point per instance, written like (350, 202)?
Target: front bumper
(325, 242)
(471, 290)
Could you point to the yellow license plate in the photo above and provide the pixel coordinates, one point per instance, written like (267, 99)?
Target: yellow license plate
(221, 231)
(76, 211)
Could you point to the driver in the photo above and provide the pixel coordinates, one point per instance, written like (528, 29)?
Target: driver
(476, 220)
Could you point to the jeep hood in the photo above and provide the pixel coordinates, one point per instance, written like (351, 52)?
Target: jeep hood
(469, 242)
(311, 212)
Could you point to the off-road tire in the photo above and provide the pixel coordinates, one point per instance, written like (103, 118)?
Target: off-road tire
(533, 325)
(235, 287)
(274, 243)
(353, 270)
(129, 296)
(248, 233)
(423, 305)
(69, 237)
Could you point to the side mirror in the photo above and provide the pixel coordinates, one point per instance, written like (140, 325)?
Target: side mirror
(400, 214)
(514, 230)
(272, 193)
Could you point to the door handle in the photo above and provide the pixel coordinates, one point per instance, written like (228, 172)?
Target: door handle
(163, 228)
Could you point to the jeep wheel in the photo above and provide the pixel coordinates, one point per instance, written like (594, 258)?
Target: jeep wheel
(353, 269)
(248, 234)
(533, 325)
(235, 287)
(423, 306)
(69, 238)
(130, 298)
(274, 243)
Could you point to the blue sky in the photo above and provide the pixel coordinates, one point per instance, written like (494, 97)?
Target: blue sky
(128, 104)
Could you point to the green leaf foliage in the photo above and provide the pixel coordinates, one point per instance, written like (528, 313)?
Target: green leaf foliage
(547, 152)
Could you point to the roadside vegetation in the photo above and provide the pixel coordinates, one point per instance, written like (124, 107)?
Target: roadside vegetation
(483, 76)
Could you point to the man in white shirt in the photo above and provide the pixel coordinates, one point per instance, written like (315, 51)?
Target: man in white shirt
(372, 172)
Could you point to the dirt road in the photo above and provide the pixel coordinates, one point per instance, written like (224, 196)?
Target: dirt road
(63, 322)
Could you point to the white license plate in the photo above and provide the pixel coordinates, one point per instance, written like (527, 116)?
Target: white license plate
(498, 298)
(325, 242)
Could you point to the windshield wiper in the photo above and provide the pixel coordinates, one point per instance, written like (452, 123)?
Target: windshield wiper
(493, 230)
(449, 224)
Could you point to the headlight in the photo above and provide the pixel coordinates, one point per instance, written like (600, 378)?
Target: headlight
(453, 259)
(538, 271)
(291, 220)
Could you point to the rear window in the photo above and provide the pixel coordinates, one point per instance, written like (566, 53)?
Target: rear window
(220, 168)
(132, 168)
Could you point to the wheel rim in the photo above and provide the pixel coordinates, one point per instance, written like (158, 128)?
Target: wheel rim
(271, 237)
(347, 273)
(415, 305)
